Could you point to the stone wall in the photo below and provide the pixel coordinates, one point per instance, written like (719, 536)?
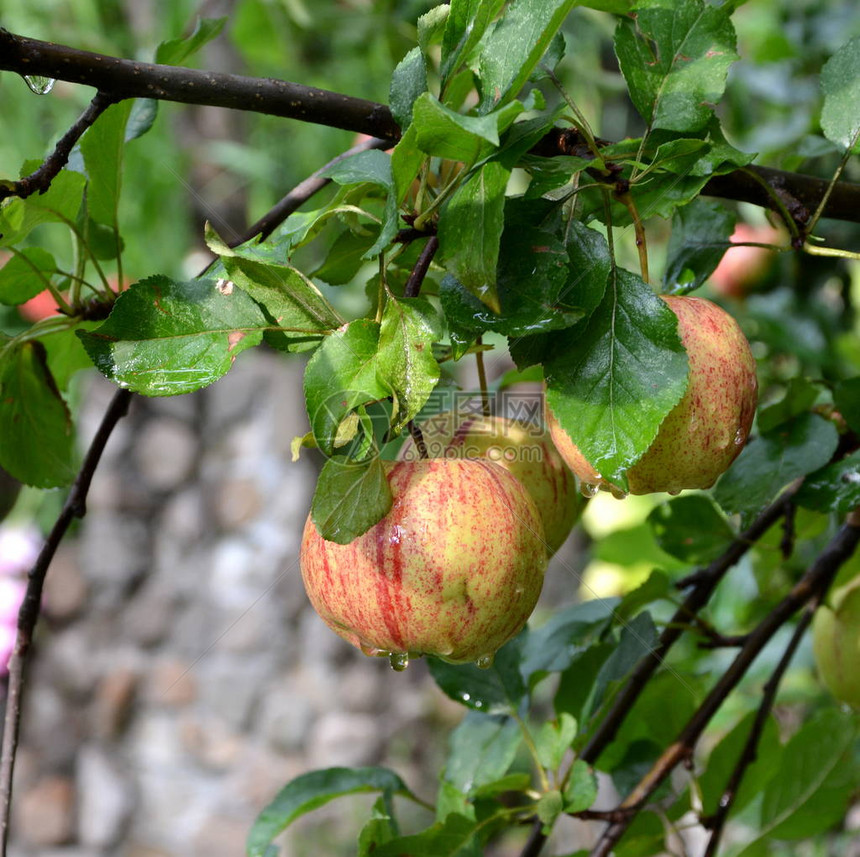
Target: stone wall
(180, 676)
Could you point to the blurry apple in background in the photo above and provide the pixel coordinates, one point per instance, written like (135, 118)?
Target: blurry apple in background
(454, 569)
(524, 449)
(743, 268)
(704, 433)
(836, 643)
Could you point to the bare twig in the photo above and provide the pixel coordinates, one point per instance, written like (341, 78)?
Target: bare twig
(28, 615)
(40, 180)
(748, 754)
(131, 79)
(811, 585)
(419, 272)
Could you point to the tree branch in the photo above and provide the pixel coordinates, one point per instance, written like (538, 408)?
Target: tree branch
(811, 585)
(41, 179)
(122, 79)
(28, 615)
(704, 583)
(131, 79)
(748, 754)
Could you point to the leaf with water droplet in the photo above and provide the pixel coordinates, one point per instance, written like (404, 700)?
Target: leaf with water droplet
(166, 337)
(497, 690)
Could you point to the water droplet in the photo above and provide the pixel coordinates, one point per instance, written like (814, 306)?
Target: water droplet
(465, 697)
(588, 489)
(399, 661)
(38, 84)
(478, 704)
(617, 492)
(740, 437)
(484, 662)
(674, 493)
(373, 651)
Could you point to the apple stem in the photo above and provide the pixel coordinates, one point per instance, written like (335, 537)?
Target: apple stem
(418, 438)
(482, 378)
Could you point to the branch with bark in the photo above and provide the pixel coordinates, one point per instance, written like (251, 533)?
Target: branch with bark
(121, 79)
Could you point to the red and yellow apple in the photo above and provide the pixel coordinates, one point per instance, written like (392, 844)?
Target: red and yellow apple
(524, 449)
(743, 267)
(836, 643)
(454, 569)
(704, 433)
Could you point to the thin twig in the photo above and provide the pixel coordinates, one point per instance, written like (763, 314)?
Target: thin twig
(482, 378)
(40, 180)
(748, 754)
(419, 272)
(302, 192)
(28, 615)
(811, 585)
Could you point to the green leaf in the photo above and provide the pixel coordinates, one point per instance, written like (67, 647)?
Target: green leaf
(835, 488)
(577, 681)
(655, 588)
(60, 203)
(633, 546)
(407, 83)
(553, 740)
(840, 84)
(809, 791)
(406, 160)
(511, 50)
(535, 284)
(724, 757)
(378, 829)
(769, 462)
(675, 58)
(553, 646)
(166, 337)
(496, 690)
(23, 276)
(691, 528)
(614, 385)
(638, 639)
(481, 751)
(701, 233)
(581, 790)
(549, 807)
(36, 433)
(296, 310)
(340, 376)
(470, 230)
(800, 396)
(66, 353)
(443, 132)
(405, 361)
(102, 147)
(350, 498)
(846, 398)
(175, 51)
(444, 839)
(465, 26)
(345, 257)
(312, 790)
(372, 167)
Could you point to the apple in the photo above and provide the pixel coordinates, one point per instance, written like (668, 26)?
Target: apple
(742, 268)
(836, 643)
(704, 433)
(454, 569)
(524, 449)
